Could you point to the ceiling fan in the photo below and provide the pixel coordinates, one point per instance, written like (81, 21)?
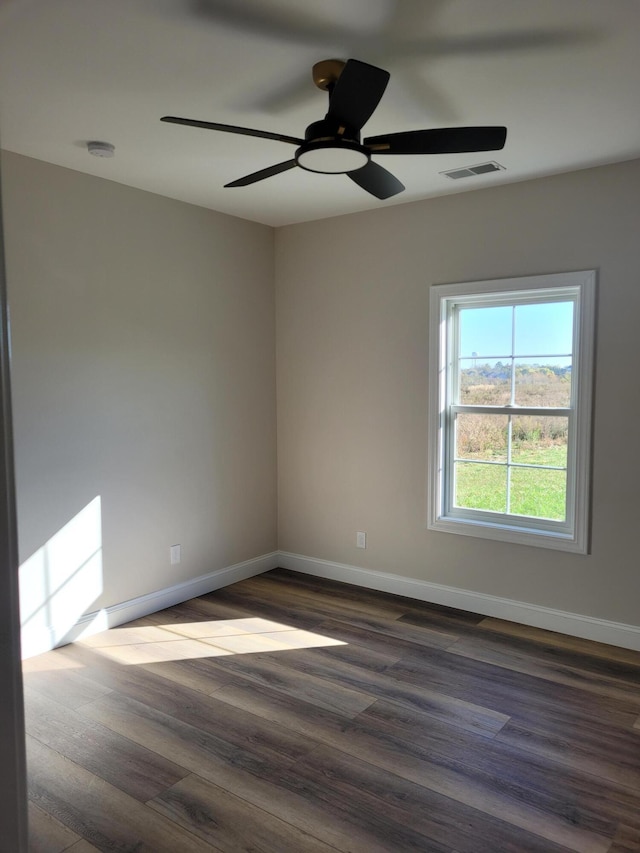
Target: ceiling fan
(333, 146)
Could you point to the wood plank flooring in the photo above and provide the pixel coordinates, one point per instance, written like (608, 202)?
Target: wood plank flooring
(287, 714)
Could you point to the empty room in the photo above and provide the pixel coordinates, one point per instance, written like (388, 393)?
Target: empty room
(320, 469)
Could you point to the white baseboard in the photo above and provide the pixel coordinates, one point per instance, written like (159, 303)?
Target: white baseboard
(574, 624)
(43, 640)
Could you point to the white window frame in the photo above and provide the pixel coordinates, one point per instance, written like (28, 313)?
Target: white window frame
(573, 533)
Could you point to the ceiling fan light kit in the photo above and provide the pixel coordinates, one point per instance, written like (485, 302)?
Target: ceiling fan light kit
(332, 158)
(333, 145)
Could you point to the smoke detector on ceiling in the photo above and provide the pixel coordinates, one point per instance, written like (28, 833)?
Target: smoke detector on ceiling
(470, 171)
(101, 149)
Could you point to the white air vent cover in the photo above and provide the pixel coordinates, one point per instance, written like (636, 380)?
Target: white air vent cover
(469, 171)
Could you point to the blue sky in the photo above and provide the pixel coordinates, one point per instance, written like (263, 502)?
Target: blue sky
(540, 330)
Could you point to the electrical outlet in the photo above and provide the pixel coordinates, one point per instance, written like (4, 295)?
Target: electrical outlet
(174, 554)
(361, 539)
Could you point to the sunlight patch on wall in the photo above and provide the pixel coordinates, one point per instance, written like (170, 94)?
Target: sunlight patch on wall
(208, 639)
(61, 580)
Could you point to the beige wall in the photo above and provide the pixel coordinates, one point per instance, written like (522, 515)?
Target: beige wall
(352, 360)
(143, 373)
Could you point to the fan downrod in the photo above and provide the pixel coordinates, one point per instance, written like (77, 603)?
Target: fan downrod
(325, 73)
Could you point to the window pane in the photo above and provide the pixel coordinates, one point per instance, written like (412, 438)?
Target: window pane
(484, 384)
(482, 437)
(539, 441)
(544, 329)
(486, 332)
(480, 486)
(538, 384)
(538, 493)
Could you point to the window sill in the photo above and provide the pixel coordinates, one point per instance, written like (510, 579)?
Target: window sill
(534, 537)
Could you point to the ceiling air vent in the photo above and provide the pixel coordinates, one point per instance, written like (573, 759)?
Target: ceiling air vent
(469, 171)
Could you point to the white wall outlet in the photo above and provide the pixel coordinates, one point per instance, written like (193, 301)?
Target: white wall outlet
(175, 554)
(361, 539)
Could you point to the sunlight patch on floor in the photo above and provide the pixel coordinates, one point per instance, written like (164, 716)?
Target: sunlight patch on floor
(207, 639)
(157, 652)
(49, 661)
(273, 641)
(226, 627)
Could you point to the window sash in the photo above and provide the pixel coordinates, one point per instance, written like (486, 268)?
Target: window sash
(450, 460)
(542, 411)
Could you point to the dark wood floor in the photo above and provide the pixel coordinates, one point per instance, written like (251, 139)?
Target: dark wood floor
(287, 714)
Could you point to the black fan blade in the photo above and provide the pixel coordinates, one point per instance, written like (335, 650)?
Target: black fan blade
(376, 180)
(357, 93)
(232, 128)
(262, 174)
(444, 140)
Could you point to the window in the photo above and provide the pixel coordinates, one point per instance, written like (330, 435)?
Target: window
(510, 409)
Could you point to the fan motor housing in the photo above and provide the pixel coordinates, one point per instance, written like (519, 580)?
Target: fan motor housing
(329, 128)
(331, 148)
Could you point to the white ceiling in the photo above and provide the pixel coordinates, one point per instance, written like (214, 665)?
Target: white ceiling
(562, 75)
